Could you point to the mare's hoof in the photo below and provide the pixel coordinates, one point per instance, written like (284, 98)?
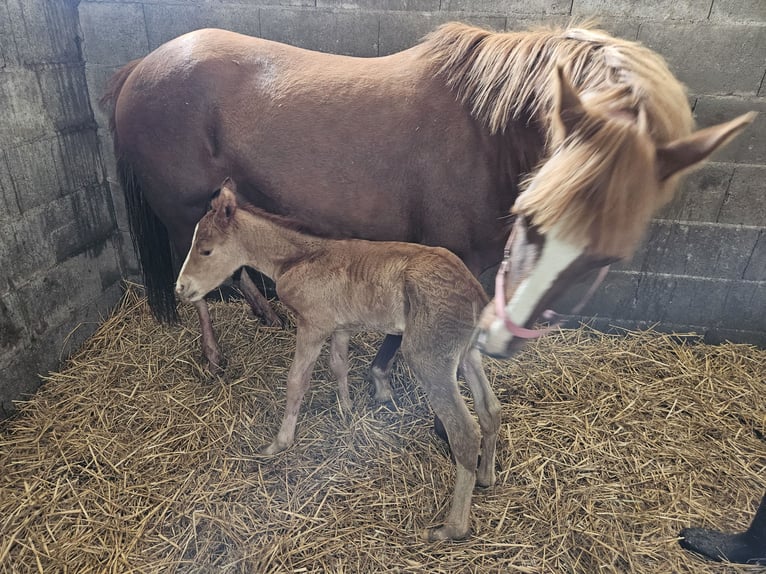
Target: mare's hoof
(740, 548)
(215, 366)
(445, 532)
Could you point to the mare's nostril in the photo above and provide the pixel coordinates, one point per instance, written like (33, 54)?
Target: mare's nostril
(180, 289)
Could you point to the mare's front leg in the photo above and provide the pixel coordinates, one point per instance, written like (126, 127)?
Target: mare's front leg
(308, 344)
(209, 344)
(381, 368)
(258, 303)
(339, 366)
(488, 410)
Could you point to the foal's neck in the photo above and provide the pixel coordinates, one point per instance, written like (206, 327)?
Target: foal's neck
(270, 245)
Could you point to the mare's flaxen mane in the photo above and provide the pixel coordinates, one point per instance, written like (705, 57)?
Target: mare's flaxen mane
(592, 184)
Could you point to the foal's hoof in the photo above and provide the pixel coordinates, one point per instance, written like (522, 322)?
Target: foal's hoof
(444, 532)
(273, 448)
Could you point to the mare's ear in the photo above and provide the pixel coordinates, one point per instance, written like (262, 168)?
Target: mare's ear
(225, 202)
(688, 151)
(568, 108)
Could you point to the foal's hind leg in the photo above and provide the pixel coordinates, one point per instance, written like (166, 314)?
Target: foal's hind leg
(209, 344)
(339, 366)
(258, 303)
(381, 368)
(440, 385)
(488, 410)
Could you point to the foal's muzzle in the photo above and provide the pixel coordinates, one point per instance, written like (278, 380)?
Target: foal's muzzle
(185, 291)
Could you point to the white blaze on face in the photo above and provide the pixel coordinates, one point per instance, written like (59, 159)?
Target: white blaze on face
(557, 255)
(181, 278)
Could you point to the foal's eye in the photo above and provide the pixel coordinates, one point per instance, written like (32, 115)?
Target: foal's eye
(206, 252)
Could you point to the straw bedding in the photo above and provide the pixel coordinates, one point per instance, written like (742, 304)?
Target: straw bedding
(131, 459)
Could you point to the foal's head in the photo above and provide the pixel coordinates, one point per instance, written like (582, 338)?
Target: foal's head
(587, 205)
(216, 252)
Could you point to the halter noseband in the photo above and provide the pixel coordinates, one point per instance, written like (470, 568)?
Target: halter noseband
(552, 316)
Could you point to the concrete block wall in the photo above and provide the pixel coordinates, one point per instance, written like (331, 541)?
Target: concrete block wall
(59, 260)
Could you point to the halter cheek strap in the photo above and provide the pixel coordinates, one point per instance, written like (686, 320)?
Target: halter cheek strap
(555, 318)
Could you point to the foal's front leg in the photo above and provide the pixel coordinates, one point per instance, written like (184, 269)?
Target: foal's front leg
(308, 345)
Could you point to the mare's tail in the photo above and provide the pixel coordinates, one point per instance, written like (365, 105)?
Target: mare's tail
(149, 235)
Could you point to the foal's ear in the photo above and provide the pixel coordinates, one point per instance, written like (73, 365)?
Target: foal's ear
(568, 108)
(225, 203)
(688, 151)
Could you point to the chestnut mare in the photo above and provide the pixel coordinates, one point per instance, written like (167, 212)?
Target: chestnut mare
(337, 287)
(430, 145)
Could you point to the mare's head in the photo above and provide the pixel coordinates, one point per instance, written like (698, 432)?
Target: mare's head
(216, 252)
(587, 205)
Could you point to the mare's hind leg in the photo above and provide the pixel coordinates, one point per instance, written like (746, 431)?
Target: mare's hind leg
(209, 344)
(440, 384)
(308, 344)
(488, 410)
(258, 303)
(381, 368)
(339, 366)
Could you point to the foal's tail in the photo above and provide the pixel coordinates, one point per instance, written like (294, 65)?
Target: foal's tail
(149, 234)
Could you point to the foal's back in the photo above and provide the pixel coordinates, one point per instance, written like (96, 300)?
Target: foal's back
(383, 286)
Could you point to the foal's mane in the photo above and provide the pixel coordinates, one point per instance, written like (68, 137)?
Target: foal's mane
(595, 193)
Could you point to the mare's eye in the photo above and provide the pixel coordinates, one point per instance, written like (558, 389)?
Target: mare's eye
(206, 252)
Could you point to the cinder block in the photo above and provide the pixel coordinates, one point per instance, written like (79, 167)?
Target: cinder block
(747, 147)
(745, 202)
(293, 3)
(165, 22)
(348, 33)
(8, 50)
(12, 326)
(682, 300)
(78, 161)
(49, 300)
(739, 11)
(23, 108)
(701, 195)
(540, 7)
(33, 168)
(24, 249)
(419, 5)
(647, 9)
(401, 31)
(9, 208)
(745, 306)
(65, 94)
(44, 31)
(241, 18)
(80, 221)
(756, 264)
(699, 250)
(708, 58)
(113, 33)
